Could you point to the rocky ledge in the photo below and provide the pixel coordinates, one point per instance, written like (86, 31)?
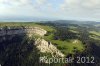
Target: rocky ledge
(47, 47)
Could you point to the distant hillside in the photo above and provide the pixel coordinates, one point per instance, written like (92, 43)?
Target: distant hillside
(74, 22)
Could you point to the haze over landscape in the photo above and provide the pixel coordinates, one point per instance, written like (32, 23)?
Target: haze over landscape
(39, 10)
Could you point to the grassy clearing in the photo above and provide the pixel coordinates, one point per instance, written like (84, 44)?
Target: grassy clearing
(66, 46)
(73, 27)
(95, 37)
(95, 33)
(74, 31)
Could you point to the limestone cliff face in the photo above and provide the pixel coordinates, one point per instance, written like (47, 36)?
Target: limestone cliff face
(29, 30)
(48, 47)
(43, 45)
(36, 30)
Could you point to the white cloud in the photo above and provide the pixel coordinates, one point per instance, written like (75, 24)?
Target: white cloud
(80, 4)
(50, 8)
(41, 2)
(1, 1)
(69, 4)
(92, 4)
(89, 9)
(18, 8)
(15, 2)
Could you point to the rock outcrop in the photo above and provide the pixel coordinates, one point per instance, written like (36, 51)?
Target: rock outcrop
(36, 30)
(26, 30)
(43, 45)
(47, 47)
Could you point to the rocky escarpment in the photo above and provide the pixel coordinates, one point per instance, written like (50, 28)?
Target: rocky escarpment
(36, 30)
(41, 44)
(48, 47)
(25, 30)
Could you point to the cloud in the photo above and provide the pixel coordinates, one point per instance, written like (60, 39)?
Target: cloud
(73, 8)
(81, 4)
(41, 2)
(18, 8)
(91, 4)
(14, 3)
(81, 8)
(51, 8)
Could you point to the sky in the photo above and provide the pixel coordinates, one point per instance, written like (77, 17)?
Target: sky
(28, 10)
